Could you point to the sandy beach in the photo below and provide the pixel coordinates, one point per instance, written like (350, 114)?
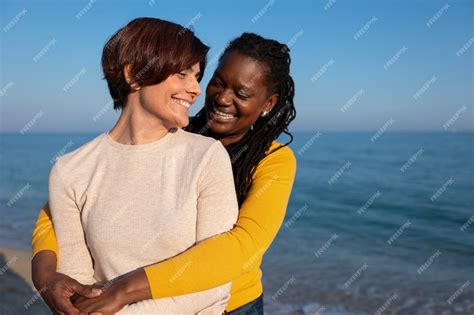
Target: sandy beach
(17, 293)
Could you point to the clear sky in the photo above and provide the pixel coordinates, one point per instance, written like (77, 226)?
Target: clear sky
(358, 65)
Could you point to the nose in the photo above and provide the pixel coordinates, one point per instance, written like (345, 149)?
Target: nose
(224, 98)
(194, 88)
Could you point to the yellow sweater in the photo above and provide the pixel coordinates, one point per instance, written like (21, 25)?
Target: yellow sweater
(232, 256)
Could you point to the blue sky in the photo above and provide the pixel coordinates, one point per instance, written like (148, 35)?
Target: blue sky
(358, 65)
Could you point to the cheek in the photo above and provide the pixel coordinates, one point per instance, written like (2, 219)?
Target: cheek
(151, 99)
(210, 95)
(249, 112)
(159, 104)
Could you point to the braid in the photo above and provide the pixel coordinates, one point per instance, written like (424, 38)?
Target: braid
(252, 148)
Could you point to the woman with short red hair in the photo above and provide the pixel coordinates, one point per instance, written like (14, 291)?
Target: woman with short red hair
(146, 190)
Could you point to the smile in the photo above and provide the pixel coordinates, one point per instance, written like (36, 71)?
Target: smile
(181, 102)
(221, 116)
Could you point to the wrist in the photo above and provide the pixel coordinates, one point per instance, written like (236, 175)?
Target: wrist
(41, 282)
(133, 287)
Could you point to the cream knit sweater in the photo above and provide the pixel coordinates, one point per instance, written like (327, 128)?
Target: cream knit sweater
(118, 207)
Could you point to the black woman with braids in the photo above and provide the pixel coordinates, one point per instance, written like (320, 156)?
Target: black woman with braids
(249, 103)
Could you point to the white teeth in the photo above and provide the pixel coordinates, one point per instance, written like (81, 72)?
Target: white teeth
(223, 116)
(181, 102)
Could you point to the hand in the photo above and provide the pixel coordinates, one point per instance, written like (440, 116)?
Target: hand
(117, 293)
(59, 289)
(110, 301)
(56, 288)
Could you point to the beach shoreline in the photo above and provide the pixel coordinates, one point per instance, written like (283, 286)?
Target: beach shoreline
(18, 261)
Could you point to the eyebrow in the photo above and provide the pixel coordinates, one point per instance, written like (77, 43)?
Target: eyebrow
(190, 69)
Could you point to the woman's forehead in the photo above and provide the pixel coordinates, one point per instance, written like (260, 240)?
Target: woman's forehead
(241, 69)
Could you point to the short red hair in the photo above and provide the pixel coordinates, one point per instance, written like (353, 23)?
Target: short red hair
(154, 49)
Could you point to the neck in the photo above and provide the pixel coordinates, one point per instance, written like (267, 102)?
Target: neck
(228, 139)
(136, 125)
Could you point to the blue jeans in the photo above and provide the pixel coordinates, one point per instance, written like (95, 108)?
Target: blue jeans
(253, 308)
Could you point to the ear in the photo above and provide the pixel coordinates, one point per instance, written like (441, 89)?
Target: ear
(271, 102)
(127, 71)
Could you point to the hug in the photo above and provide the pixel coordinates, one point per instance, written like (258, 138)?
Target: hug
(166, 213)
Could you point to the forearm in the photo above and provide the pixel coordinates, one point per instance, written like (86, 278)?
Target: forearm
(211, 263)
(132, 291)
(76, 260)
(43, 266)
(131, 287)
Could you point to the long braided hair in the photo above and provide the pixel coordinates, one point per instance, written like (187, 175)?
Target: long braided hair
(252, 148)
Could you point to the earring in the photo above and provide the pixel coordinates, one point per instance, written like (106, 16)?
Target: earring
(264, 114)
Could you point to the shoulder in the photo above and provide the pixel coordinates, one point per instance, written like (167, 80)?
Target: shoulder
(206, 156)
(81, 156)
(195, 138)
(198, 144)
(279, 161)
(280, 153)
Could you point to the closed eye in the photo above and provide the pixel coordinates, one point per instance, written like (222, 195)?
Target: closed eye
(242, 96)
(215, 83)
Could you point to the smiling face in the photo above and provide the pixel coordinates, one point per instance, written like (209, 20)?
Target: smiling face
(170, 100)
(236, 96)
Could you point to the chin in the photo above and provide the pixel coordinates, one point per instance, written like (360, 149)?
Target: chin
(182, 122)
(219, 128)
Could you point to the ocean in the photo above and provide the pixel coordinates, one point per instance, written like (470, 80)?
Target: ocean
(376, 224)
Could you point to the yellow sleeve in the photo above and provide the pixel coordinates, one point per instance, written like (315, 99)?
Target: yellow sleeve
(43, 233)
(222, 258)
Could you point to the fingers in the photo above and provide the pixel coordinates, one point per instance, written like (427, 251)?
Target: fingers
(85, 290)
(61, 306)
(67, 308)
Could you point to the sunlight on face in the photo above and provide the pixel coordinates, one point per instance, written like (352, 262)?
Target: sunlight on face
(170, 100)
